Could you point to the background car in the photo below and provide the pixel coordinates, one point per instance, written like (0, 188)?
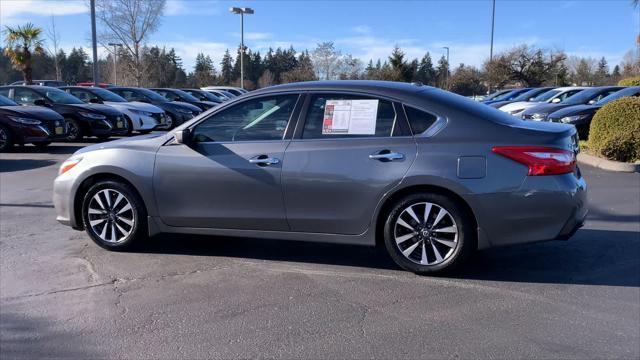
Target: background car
(52, 83)
(525, 96)
(82, 119)
(230, 89)
(204, 95)
(507, 96)
(178, 112)
(552, 96)
(221, 94)
(28, 124)
(251, 168)
(581, 115)
(495, 94)
(584, 97)
(141, 117)
(183, 96)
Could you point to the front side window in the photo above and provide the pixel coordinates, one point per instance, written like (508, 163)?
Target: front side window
(130, 95)
(333, 116)
(254, 120)
(82, 95)
(26, 96)
(58, 96)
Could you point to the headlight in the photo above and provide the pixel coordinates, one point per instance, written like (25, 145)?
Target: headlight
(184, 111)
(538, 116)
(24, 120)
(512, 112)
(68, 165)
(92, 115)
(574, 118)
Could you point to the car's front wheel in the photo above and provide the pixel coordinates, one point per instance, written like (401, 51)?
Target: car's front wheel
(6, 139)
(114, 215)
(74, 130)
(428, 233)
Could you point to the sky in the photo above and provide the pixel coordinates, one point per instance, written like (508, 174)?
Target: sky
(365, 29)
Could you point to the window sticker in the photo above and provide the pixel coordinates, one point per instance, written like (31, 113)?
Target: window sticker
(351, 117)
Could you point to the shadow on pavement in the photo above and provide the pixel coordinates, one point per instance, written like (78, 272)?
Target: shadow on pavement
(11, 165)
(591, 257)
(22, 337)
(55, 148)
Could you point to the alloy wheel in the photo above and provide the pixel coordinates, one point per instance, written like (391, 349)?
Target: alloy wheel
(4, 138)
(72, 130)
(426, 233)
(111, 216)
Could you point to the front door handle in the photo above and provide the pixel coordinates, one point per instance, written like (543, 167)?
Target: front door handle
(264, 160)
(386, 155)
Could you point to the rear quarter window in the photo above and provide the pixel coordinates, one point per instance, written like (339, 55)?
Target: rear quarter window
(419, 120)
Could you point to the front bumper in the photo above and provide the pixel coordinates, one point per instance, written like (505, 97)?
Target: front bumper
(110, 126)
(41, 133)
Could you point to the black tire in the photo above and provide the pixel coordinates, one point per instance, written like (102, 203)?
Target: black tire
(129, 125)
(144, 132)
(75, 133)
(6, 139)
(173, 121)
(103, 137)
(466, 234)
(138, 214)
(42, 144)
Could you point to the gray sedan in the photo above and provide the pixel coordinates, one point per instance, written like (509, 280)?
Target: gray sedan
(426, 174)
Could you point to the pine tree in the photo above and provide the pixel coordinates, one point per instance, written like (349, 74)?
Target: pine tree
(602, 73)
(400, 68)
(442, 72)
(226, 68)
(426, 73)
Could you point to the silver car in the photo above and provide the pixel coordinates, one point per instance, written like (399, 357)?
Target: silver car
(429, 175)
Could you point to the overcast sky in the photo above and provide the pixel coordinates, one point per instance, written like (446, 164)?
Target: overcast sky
(366, 29)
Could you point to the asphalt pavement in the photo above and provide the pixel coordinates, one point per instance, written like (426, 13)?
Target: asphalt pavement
(61, 296)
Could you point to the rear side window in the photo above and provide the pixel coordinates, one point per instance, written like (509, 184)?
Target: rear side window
(333, 116)
(419, 120)
(4, 92)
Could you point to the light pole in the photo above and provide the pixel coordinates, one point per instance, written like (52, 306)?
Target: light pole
(115, 61)
(241, 11)
(493, 24)
(94, 42)
(446, 78)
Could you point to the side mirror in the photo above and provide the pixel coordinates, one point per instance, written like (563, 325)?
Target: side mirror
(95, 101)
(555, 101)
(40, 102)
(182, 137)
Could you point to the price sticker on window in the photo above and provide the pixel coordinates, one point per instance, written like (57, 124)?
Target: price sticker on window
(350, 117)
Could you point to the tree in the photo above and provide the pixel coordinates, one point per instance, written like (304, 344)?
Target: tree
(602, 72)
(400, 70)
(54, 39)
(442, 73)
(350, 68)
(524, 65)
(21, 43)
(467, 81)
(615, 74)
(302, 72)
(129, 22)
(326, 60)
(425, 73)
(266, 79)
(204, 72)
(226, 68)
(76, 67)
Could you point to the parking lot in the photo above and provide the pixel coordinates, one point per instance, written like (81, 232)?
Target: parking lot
(197, 297)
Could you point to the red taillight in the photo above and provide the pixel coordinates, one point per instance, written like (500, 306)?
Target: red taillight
(541, 160)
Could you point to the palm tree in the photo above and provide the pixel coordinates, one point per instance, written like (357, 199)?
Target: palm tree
(22, 42)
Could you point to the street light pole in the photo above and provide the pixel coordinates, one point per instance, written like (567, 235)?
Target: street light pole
(493, 25)
(94, 42)
(115, 61)
(241, 11)
(446, 81)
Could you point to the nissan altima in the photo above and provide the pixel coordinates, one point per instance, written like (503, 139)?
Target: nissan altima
(428, 175)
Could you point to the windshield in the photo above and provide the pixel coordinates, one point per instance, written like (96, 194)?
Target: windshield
(185, 95)
(492, 96)
(525, 96)
(58, 96)
(546, 96)
(152, 95)
(505, 96)
(207, 95)
(6, 101)
(583, 97)
(631, 91)
(106, 95)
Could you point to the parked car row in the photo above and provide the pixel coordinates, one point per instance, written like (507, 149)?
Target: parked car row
(574, 105)
(40, 114)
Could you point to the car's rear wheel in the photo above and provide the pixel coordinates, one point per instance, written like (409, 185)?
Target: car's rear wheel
(114, 215)
(171, 122)
(74, 130)
(6, 139)
(429, 233)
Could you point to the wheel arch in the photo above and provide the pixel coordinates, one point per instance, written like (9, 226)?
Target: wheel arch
(390, 200)
(86, 184)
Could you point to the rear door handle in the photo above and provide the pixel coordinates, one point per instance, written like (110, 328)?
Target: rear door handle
(264, 160)
(386, 155)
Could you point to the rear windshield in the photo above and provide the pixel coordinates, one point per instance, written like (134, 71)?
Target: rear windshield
(583, 97)
(631, 91)
(107, 95)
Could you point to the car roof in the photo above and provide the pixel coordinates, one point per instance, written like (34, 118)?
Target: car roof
(369, 86)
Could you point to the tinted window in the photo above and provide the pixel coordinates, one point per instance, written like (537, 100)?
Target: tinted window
(259, 119)
(546, 95)
(26, 96)
(106, 95)
(631, 91)
(82, 94)
(4, 92)
(568, 94)
(4, 101)
(315, 121)
(129, 95)
(419, 120)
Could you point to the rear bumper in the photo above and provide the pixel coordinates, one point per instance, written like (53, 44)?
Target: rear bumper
(544, 208)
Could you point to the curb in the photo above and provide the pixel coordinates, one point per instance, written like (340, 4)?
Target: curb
(607, 164)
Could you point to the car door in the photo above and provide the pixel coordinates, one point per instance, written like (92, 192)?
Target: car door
(333, 179)
(229, 177)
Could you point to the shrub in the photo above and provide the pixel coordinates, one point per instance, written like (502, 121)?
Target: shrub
(615, 130)
(632, 81)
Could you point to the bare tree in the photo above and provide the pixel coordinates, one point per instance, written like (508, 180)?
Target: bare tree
(54, 39)
(326, 60)
(129, 22)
